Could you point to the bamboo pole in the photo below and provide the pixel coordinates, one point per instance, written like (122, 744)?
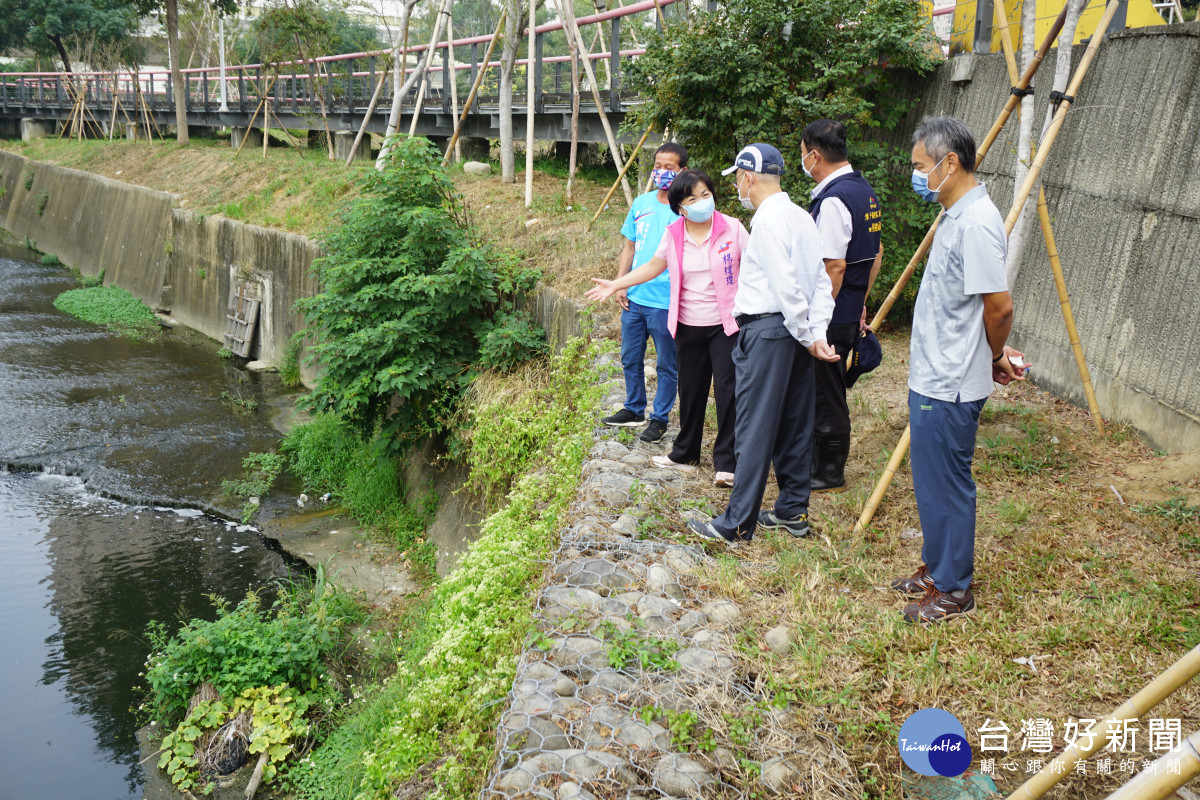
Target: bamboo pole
(608, 132)
(453, 77)
(885, 480)
(1165, 775)
(617, 182)
(112, 120)
(529, 71)
(1018, 201)
(383, 76)
(989, 140)
(1039, 161)
(266, 124)
(254, 116)
(1043, 211)
(474, 88)
(412, 128)
(1064, 302)
(1135, 707)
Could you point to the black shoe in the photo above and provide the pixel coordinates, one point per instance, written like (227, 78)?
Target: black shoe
(624, 419)
(707, 530)
(829, 463)
(796, 527)
(654, 431)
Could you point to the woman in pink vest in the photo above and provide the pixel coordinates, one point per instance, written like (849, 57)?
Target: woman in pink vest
(703, 251)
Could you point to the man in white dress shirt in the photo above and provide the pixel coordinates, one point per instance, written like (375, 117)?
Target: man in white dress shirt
(783, 305)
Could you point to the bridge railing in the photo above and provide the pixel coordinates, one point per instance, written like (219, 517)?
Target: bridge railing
(342, 83)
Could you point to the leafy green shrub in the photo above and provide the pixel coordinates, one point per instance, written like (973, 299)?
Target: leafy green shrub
(332, 457)
(28, 180)
(289, 370)
(409, 295)
(42, 200)
(90, 281)
(761, 70)
(245, 647)
(51, 260)
(112, 307)
(273, 715)
(224, 353)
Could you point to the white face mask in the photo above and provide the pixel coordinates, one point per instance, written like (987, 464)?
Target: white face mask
(746, 202)
(804, 167)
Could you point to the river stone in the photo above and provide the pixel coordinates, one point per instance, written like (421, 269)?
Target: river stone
(606, 725)
(557, 613)
(681, 777)
(570, 651)
(692, 620)
(657, 623)
(724, 758)
(571, 597)
(780, 774)
(626, 524)
(699, 659)
(585, 765)
(611, 680)
(658, 576)
(533, 733)
(613, 607)
(477, 168)
(725, 612)
(573, 791)
(651, 605)
(680, 560)
(780, 639)
(710, 638)
(601, 465)
(565, 687)
(539, 671)
(613, 450)
(636, 460)
(258, 366)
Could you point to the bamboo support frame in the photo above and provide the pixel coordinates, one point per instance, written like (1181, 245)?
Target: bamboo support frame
(989, 140)
(529, 103)
(604, 203)
(1043, 211)
(1168, 773)
(1019, 199)
(474, 88)
(1135, 707)
(585, 56)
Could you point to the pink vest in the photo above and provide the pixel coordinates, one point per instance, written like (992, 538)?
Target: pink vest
(725, 245)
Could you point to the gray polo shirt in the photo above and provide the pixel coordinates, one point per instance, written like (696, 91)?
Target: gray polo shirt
(950, 358)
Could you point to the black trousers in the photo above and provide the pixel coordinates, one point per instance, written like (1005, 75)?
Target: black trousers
(832, 417)
(704, 356)
(774, 425)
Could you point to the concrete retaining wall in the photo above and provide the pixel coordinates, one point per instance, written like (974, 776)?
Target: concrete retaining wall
(1124, 197)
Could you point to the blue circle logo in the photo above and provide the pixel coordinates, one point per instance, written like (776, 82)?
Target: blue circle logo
(933, 742)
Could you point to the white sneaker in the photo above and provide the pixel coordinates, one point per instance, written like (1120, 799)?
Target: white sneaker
(723, 479)
(665, 461)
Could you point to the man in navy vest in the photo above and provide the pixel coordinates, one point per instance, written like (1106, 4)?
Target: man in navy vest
(848, 216)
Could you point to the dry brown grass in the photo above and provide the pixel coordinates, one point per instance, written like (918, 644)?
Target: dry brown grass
(1103, 595)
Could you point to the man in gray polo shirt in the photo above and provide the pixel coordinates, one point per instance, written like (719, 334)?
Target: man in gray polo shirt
(962, 319)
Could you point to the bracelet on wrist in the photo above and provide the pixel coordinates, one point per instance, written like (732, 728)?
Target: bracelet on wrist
(996, 360)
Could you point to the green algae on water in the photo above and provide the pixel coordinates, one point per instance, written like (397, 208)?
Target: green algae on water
(112, 307)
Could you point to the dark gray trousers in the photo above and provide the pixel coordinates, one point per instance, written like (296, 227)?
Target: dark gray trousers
(774, 425)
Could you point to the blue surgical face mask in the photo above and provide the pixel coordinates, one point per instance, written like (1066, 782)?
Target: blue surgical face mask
(700, 210)
(663, 178)
(920, 183)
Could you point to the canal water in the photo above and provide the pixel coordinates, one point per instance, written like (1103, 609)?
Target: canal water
(108, 449)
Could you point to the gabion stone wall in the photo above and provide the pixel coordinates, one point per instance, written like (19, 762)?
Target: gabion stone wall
(631, 686)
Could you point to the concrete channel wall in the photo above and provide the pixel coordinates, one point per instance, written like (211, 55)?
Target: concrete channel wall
(1123, 189)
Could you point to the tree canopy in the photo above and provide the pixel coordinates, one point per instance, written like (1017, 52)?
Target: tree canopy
(53, 28)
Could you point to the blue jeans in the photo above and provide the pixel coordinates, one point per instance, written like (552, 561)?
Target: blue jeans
(943, 445)
(637, 325)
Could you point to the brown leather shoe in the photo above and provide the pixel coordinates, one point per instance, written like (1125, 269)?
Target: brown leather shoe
(938, 606)
(918, 583)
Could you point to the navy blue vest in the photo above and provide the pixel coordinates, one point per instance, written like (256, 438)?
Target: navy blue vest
(867, 220)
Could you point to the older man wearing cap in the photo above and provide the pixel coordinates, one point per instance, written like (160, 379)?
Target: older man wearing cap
(783, 305)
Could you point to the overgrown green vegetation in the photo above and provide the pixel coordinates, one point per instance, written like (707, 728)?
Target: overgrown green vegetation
(272, 665)
(414, 304)
(260, 470)
(459, 658)
(112, 307)
(331, 457)
(289, 370)
(761, 70)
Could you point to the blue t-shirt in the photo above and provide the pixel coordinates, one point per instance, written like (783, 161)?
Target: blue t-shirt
(645, 225)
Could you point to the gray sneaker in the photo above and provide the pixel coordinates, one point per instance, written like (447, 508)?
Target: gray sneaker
(707, 530)
(796, 527)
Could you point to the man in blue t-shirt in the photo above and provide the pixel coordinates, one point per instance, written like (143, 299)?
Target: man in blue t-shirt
(644, 309)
